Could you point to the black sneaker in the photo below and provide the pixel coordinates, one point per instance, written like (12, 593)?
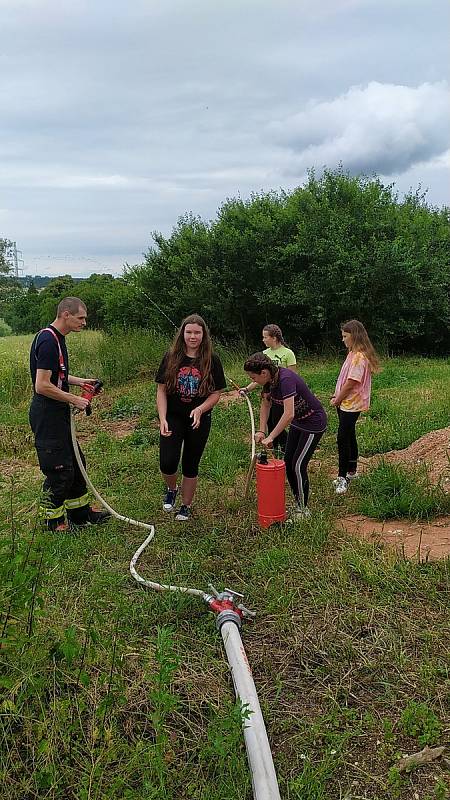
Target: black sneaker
(170, 498)
(184, 514)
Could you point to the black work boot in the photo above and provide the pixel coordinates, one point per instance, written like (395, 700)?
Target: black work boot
(97, 517)
(92, 518)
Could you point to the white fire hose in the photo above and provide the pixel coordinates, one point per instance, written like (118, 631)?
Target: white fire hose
(230, 613)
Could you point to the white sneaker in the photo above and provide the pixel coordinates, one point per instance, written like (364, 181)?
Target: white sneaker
(340, 485)
(302, 513)
(351, 476)
(297, 514)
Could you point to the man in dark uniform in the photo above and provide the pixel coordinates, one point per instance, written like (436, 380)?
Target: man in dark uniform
(64, 486)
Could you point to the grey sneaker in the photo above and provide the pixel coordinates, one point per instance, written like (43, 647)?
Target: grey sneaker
(340, 485)
(297, 514)
(184, 514)
(169, 499)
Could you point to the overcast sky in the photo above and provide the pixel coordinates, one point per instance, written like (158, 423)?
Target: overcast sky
(117, 117)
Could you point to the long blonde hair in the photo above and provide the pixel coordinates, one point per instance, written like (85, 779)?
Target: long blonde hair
(203, 359)
(361, 342)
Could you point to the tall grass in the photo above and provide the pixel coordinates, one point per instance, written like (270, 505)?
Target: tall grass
(130, 355)
(394, 491)
(116, 358)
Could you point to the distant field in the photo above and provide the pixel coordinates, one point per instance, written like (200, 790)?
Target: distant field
(110, 692)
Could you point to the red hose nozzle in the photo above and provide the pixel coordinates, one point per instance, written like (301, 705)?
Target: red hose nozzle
(88, 391)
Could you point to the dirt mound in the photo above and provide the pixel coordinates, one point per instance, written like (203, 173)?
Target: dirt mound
(433, 449)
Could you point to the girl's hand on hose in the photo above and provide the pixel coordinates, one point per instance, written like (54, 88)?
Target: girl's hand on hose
(259, 436)
(164, 428)
(267, 442)
(196, 415)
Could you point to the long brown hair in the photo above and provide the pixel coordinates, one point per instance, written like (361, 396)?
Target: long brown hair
(203, 359)
(361, 342)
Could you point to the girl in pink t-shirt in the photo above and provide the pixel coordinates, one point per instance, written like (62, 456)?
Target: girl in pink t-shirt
(351, 396)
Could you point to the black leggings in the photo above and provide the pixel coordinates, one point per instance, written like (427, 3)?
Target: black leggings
(275, 414)
(300, 446)
(346, 441)
(192, 441)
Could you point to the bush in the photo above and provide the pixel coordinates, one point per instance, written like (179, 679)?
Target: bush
(5, 329)
(338, 247)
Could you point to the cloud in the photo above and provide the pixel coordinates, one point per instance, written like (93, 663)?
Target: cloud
(381, 127)
(119, 117)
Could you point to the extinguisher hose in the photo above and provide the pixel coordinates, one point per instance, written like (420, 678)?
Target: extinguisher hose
(251, 414)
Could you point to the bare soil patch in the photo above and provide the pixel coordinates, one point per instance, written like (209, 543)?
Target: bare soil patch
(230, 397)
(424, 541)
(12, 467)
(118, 429)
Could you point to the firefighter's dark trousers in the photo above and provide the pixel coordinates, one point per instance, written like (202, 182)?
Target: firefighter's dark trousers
(64, 486)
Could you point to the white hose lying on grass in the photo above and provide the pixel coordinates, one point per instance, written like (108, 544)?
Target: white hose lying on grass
(148, 526)
(259, 754)
(264, 780)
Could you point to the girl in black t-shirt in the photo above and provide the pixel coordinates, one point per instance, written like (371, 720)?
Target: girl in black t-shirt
(190, 379)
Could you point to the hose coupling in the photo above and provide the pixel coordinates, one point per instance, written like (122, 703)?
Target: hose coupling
(225, 605)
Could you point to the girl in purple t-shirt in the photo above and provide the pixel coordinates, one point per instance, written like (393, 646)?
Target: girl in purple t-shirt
(301, 409)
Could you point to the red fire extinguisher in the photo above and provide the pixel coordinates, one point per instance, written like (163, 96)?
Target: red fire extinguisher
(270, 490)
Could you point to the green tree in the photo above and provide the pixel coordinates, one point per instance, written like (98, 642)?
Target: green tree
(23, 311)
(94, 292)
(338, 247)
(52, 294)
(5, 329)
(6, 265)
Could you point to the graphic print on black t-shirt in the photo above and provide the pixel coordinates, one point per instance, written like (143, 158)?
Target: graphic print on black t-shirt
(188, 382)
(186, 396)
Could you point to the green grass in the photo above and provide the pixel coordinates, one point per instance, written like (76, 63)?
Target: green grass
(111, 692)
(391, 491)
